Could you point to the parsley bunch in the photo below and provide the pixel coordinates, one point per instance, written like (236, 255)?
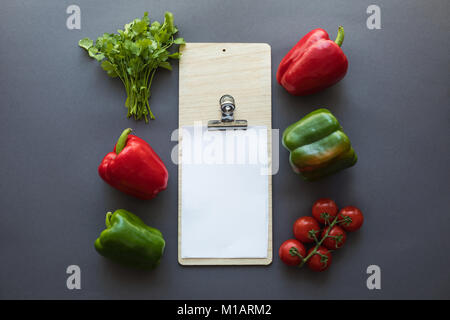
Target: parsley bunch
(134, 54)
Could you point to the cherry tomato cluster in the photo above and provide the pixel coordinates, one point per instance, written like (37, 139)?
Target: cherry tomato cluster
(331, 237)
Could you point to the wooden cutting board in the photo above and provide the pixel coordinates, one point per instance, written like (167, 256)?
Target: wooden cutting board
(208, 71)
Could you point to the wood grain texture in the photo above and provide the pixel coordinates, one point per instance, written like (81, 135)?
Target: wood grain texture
(208, 71)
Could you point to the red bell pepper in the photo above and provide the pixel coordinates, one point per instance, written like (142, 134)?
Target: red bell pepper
(134, 168)
(313, 64)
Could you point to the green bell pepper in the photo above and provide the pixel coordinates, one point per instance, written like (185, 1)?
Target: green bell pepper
(128, 240)
(318, 146)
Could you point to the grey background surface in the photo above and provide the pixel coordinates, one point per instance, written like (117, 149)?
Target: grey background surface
(60, 114)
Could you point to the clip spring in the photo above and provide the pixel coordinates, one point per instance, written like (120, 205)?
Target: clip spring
(227, 122)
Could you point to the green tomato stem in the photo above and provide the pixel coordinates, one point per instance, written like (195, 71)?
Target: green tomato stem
(319, 243)
(294, 252)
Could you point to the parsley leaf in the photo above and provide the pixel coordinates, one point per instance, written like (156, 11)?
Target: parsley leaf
(134, 54)
(85, 43)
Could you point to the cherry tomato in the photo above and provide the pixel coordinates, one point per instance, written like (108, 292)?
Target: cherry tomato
(319, 262)
(324, 208)
(353, 216)
(289, 258)
(303, 228)
(337, 240)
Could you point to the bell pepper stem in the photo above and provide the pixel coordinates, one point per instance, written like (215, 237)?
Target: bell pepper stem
(340, 36)
(108, 219)
(122, 140)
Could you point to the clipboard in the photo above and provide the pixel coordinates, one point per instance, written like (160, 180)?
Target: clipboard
(208, 71)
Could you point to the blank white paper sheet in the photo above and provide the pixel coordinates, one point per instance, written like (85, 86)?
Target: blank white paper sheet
(224, 193)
